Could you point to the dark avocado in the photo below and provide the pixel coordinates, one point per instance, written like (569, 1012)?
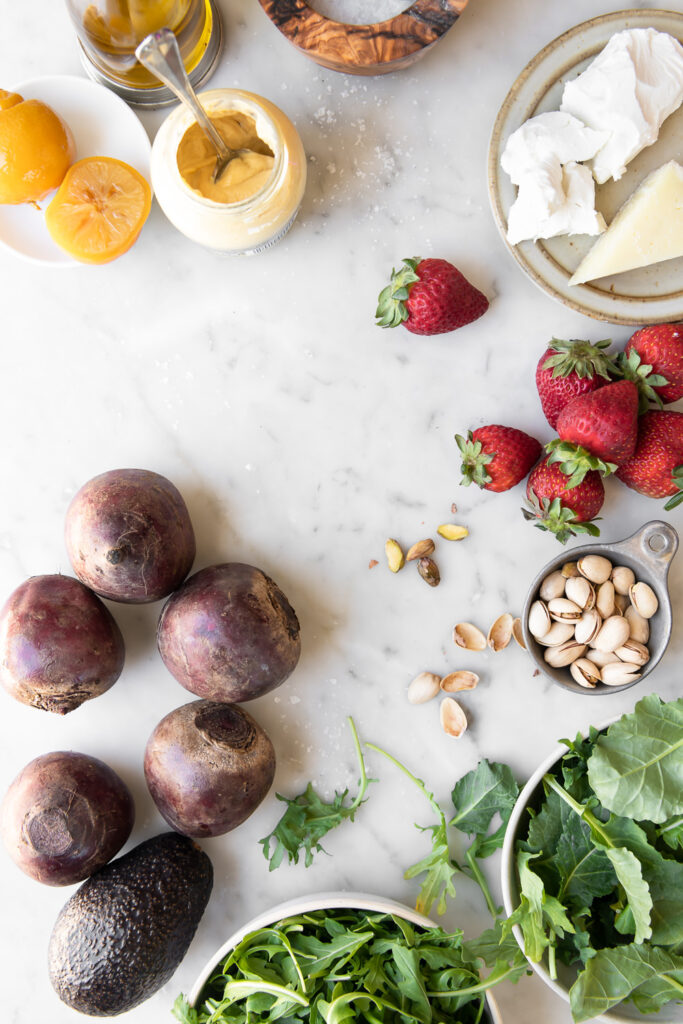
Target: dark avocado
(124, 932)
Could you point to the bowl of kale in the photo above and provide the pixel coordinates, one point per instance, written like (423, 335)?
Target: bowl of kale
(340, 957)
(592, 868)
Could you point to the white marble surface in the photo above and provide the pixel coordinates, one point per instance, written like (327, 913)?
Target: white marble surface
(301, 437)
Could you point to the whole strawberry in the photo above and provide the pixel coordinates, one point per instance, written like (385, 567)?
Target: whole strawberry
(562, 510)
(653, 360)
(597, 431)
(656, 468)
(570, 368)
(429, 297)
(495, 457)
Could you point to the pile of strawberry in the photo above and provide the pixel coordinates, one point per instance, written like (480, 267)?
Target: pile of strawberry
(609, 417)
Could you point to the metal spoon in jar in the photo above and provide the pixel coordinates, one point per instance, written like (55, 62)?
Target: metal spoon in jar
(159, 52)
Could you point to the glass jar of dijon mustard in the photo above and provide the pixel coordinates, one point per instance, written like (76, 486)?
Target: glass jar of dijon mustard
(257, 197)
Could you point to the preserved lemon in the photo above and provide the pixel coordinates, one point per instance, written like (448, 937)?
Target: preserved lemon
(99, 209)
(36, 149)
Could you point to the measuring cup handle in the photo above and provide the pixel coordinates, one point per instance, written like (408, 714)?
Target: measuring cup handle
(656, 544)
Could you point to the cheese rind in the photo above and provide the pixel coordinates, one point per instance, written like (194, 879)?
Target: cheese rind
(647, 229)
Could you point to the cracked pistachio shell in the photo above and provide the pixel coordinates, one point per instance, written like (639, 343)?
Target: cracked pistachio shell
(423, 687)
(453, 720)
(585, 673)
(613, 633)
(595, 568)
(588, 627)
(644, 599)
(500, 633)
(539, 619)
(565, 654)
(621, 603)
(581, 591)
(468, 636)
(454, 682)
(640, 627)
(623, 579)
(563, 610)
(617, 673)
(517, 633)
(552, 586)
(604, 599)
(633, 653)
(558, 634)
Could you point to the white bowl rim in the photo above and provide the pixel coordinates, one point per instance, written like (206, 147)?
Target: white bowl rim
(507, 864)
(333, 900)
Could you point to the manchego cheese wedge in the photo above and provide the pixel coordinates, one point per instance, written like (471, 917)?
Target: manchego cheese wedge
(647, 229)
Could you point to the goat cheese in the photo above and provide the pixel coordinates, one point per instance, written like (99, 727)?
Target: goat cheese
(629, 90)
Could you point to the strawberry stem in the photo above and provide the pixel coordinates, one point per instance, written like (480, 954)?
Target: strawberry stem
(474, 461)
(391, 309)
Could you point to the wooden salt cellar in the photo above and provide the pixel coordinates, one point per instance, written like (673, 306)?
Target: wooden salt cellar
(364, 49)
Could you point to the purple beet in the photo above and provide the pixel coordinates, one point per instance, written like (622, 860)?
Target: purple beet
(65, 816)
(129, 536)
(229, 633)
(59, 644)
(208, 766)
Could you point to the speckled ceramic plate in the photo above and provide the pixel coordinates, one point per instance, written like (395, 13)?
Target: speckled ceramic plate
(102, 125)
(649, 295)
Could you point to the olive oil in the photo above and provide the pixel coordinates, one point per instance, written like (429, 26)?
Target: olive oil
(110, 30)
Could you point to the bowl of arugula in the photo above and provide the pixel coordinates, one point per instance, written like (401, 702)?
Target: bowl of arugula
(339, 956)
(592, 868)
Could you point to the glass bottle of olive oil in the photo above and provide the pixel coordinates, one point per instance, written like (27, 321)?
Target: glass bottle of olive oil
(110, 30)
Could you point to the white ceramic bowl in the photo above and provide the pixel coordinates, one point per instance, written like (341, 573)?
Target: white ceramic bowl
(324, 901)
(626, 1013)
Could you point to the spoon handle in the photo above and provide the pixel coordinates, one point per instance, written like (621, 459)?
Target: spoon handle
(160, 54)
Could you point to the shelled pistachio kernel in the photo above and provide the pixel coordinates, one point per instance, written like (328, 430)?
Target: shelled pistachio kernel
(423, 687)
(453, 719)
(394, 553)
(429, 571)
(421, 549)
(449, 531)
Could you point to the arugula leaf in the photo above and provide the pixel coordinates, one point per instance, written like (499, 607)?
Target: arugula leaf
(309, 818)
(540, 916)
(437, 866)
(355, 966)
(183, 1012)
(493, 945)
(636, 768)
(613, 975)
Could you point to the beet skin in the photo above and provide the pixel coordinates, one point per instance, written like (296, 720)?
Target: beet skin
(129, 536)
(229, 633)
(208, 766)
(65, 816)
(59, 644)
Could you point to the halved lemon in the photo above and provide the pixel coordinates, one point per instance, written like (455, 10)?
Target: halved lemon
(99, 209)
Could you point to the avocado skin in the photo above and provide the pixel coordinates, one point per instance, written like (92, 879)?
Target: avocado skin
(123, 933)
